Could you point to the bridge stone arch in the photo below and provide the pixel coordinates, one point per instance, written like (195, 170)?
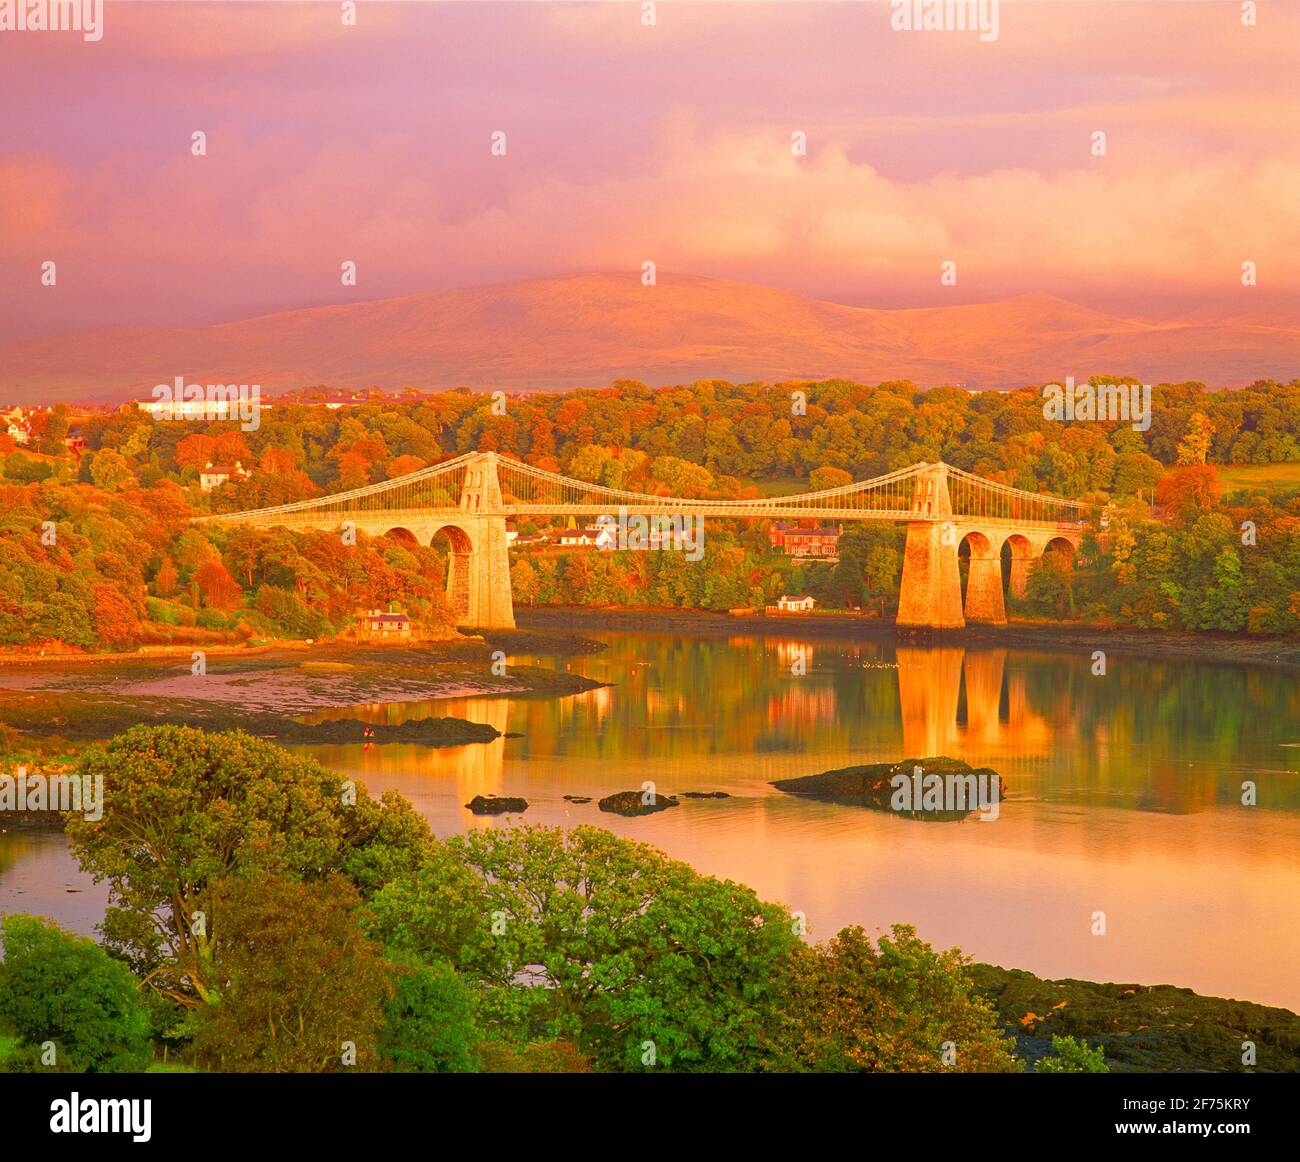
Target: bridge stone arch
(1021, 550)
(403, 534)
(984, 601)
(461, 577)
(931, 593)
(1061, 543)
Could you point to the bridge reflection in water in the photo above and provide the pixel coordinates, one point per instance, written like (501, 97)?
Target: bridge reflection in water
(1125, 793)
(908, 702)
(993, 719)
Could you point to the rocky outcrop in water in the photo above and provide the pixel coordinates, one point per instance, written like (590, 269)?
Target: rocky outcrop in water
(430, 731)
(496, 805)
(937, 790)
(630, 803)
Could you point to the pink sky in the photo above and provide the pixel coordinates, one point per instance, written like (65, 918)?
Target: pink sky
(627, 143)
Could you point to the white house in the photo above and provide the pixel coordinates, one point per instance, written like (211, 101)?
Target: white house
(214, 475)
(797, 604)
(16, 425)
(585, 536)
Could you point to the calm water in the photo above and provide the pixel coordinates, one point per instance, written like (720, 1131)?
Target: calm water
(1125, 797)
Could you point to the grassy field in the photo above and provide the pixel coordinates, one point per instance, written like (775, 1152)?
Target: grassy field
(1273, 479)
(782, 486)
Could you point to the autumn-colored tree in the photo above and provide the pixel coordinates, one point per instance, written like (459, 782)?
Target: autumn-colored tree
(533, 1057)
(277, 462)
(219, 589)
(166, 579)
(1188, 491)
(370, 448)
(231, 446)
(401, 465)
(543, 437)
(116, 623)
(195, 450)
(354, 470)
(828, 477)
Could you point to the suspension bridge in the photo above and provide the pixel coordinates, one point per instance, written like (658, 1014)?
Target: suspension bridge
(470, 498)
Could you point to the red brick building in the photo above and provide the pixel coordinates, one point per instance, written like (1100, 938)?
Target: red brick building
(799, 542)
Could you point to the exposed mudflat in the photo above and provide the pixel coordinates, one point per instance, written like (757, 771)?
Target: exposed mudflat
(265, 693)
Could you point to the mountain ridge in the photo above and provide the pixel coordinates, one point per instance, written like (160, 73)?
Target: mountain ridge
(588, 329)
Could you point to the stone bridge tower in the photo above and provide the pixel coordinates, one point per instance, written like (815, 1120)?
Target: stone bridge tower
(478, 581)
(930, 595)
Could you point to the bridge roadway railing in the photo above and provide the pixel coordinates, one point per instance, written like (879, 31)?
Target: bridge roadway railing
(315, 518)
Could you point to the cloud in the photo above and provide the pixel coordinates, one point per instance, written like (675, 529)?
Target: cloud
(371, 145)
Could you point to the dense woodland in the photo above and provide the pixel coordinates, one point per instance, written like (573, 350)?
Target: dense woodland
(99, 553)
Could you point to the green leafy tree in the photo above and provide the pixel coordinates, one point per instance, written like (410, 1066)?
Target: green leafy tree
(1071, 1056)
(635, 957)
(298, 988)
(27, 469)
(1050, 588)
(435, 911)
(183, 808)
(429, 1020)
(898, 1006)
(63, 988)
(110, 470)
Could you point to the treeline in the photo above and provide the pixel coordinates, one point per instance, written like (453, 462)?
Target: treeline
(739, 569)
(1209, 564)
(125, 568)
(93, 569)
(705, 438)
(347, 937)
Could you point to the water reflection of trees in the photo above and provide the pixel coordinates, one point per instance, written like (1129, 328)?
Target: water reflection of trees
(1162, 736)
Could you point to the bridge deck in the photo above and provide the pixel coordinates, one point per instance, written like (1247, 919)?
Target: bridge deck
(317, 517)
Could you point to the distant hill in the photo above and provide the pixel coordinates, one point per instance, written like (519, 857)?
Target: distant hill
(589, 329)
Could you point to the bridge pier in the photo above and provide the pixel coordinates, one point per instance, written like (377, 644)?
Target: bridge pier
(984, 601)
(930, 595)
(1022, 557)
